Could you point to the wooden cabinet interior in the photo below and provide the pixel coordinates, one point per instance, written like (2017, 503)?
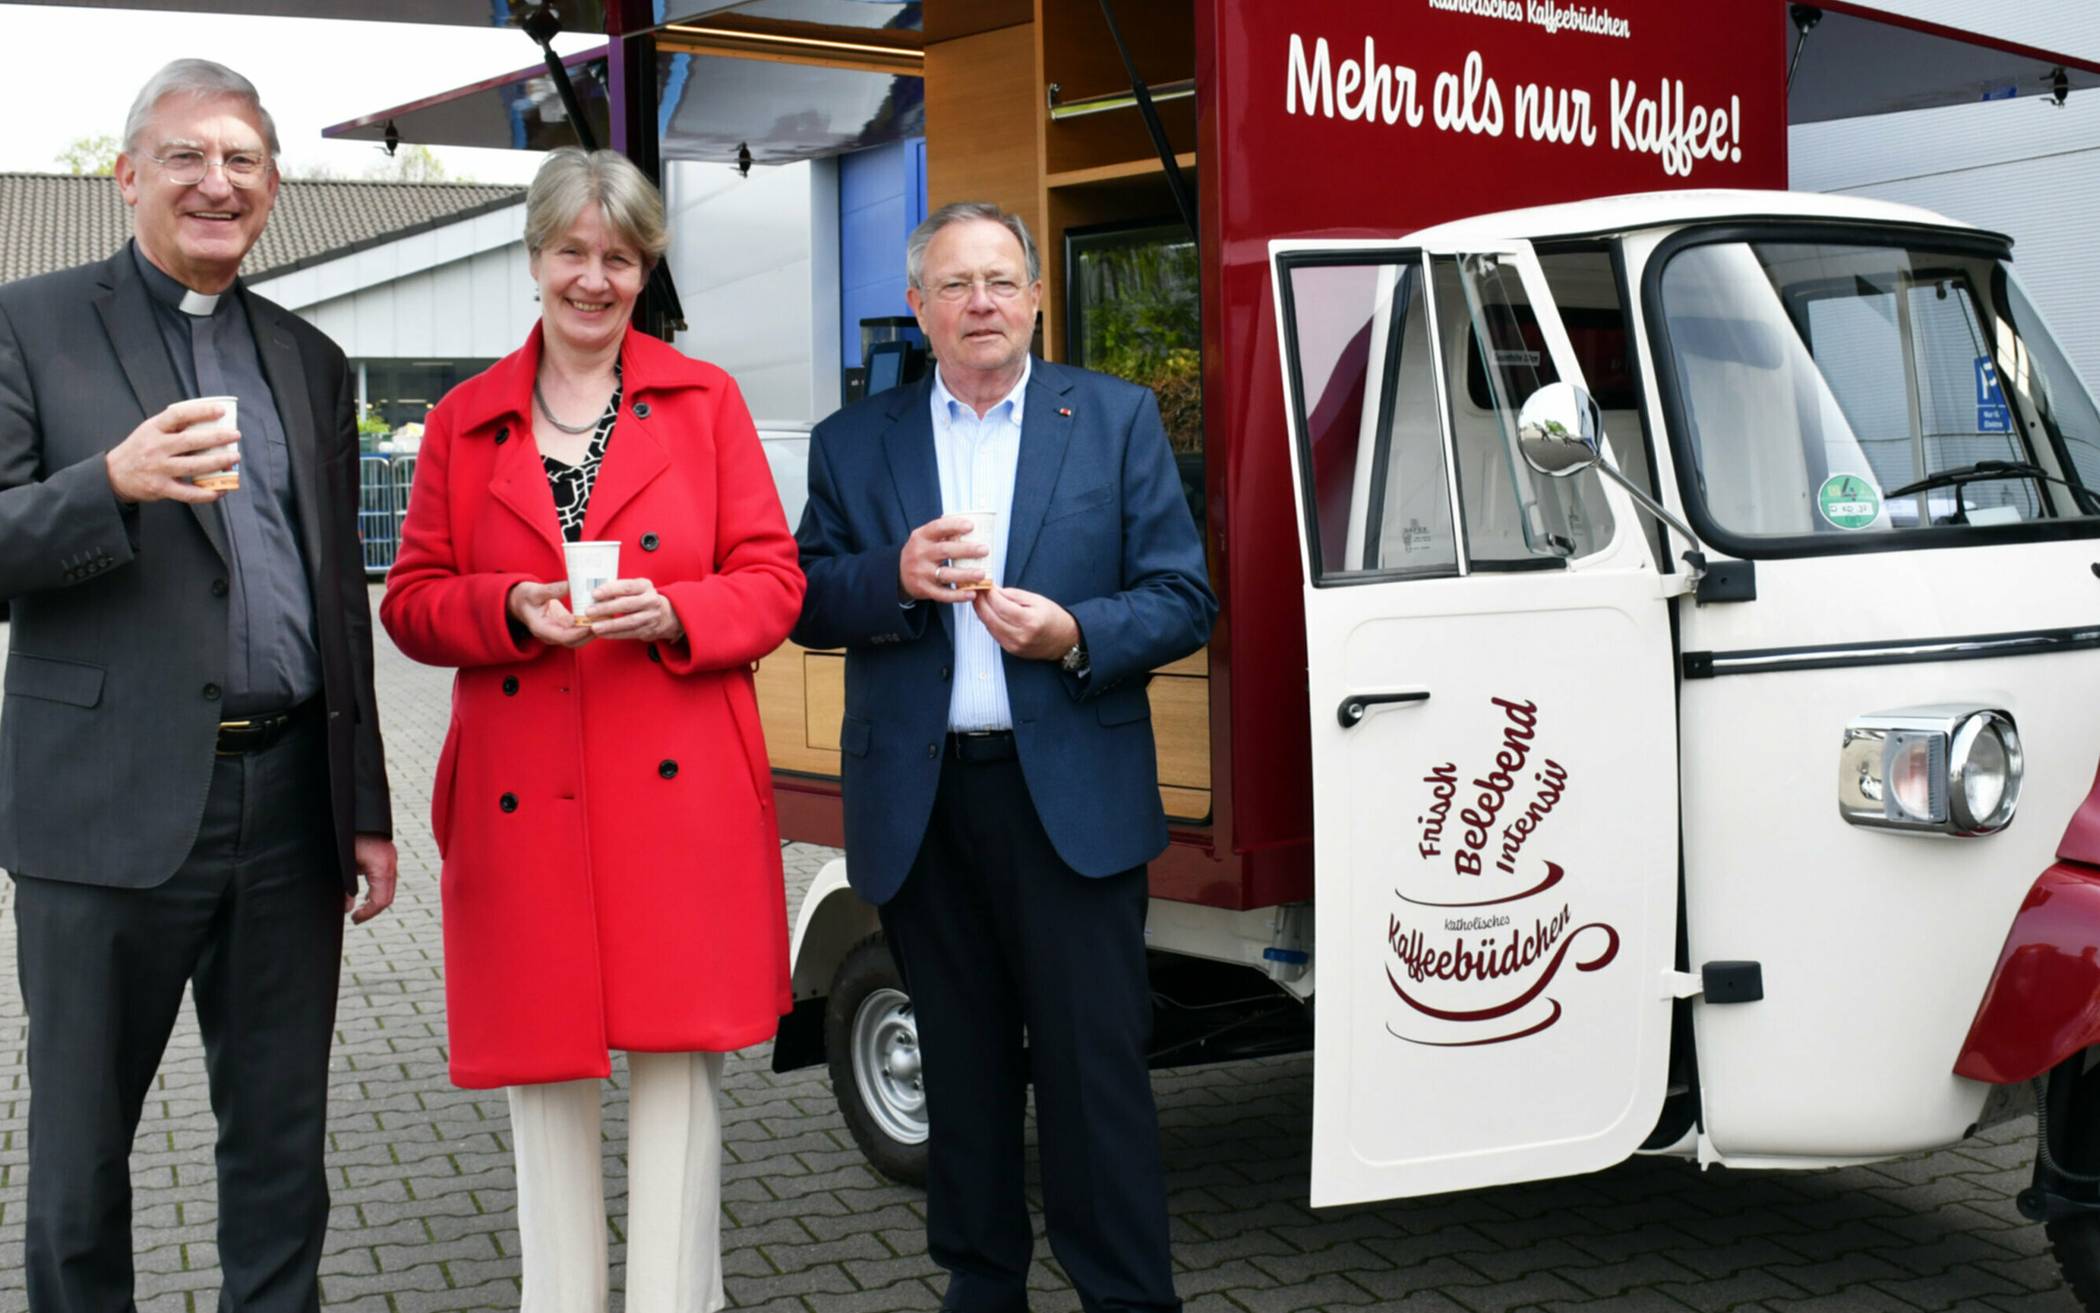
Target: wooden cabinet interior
(1080, 60)
(984, 141)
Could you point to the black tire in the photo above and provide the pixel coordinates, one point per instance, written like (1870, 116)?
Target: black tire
(871, 1042)
(2076, 1240)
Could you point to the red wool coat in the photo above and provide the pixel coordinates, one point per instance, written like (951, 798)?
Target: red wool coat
(612, 871)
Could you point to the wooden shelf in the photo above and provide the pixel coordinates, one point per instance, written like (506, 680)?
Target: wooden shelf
(1120, 171)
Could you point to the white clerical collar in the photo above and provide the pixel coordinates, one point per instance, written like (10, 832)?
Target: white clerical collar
(198, 303)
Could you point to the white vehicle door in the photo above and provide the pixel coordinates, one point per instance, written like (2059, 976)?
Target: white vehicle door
(1493, 732)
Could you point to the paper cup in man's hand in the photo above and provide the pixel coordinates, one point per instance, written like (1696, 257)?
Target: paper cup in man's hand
(228, 479)
(984, 529)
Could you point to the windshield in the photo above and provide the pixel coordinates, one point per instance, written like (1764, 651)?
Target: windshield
(1838, 391)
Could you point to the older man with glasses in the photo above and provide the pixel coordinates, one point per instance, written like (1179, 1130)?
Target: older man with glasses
(190, 770)
(1000, 779)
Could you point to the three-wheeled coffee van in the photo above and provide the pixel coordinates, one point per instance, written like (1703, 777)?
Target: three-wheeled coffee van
(1651, 686)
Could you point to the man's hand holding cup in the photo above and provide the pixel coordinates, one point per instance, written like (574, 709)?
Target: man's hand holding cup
(162, 459)
(944, 556)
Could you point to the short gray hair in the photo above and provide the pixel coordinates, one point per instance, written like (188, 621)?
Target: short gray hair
(202, 79)
(573, 178)
(966, 212)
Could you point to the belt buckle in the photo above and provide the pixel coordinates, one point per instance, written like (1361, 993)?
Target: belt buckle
(251, 733)
(968, 740)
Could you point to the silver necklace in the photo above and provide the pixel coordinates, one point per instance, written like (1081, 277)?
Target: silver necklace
(571, 429)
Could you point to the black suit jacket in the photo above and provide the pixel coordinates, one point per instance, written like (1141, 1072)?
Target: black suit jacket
(119, 638)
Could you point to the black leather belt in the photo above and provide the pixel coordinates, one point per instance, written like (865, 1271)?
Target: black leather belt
(980, 745)
(257, 732)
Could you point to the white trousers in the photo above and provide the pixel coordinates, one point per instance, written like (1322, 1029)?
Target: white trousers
(674, 1189)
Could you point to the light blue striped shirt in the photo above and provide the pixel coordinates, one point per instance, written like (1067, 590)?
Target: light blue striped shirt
(977, 459)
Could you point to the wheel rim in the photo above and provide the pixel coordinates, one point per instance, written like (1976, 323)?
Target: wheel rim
(886, 1065)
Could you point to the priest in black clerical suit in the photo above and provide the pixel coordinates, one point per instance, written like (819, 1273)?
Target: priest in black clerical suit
(190, 771)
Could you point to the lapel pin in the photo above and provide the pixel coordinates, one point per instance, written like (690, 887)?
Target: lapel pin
(1066, 411)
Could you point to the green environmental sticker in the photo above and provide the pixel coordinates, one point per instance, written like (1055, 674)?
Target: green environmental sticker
(1849, 501)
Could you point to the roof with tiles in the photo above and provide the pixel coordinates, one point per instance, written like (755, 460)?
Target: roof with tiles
(55, 220)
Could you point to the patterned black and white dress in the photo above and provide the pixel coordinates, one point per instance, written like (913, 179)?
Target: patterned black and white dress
(572, 484)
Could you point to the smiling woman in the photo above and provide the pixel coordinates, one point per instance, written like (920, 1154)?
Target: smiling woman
(594, 227)
(611, 880)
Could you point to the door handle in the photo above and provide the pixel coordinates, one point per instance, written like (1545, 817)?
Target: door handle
(1356, 704)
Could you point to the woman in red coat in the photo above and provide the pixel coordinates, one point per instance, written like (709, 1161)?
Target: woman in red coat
(603, 804)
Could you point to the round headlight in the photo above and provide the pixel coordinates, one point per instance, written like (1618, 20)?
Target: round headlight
(1984, 766)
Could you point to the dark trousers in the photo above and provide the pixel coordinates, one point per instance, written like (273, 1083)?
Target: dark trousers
(252, 922)
(997, 936)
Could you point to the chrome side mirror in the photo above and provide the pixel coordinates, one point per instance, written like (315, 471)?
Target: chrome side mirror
(1560, 430)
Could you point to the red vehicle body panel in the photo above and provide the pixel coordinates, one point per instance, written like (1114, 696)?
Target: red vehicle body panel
(2043, 1004)
(2081, 841)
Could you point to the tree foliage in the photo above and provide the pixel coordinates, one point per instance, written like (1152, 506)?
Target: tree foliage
(412, 164)
(408, 164)
(94, 155)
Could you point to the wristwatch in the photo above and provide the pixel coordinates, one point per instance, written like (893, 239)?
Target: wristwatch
(1074, 662)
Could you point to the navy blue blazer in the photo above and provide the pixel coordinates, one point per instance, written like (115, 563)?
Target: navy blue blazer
(1098, 526)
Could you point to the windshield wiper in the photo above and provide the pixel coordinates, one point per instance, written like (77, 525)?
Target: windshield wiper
(1985, 471)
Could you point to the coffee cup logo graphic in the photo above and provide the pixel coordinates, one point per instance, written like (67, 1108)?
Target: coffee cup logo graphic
(1484, 927)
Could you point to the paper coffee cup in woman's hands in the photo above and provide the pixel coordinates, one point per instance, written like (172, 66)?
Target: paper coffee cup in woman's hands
(591, 566)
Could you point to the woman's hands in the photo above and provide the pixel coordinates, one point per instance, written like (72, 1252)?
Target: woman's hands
(633, 609)
(624, 608)
(539, 608)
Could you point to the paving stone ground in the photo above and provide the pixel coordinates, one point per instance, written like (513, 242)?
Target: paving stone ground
(424, 1202)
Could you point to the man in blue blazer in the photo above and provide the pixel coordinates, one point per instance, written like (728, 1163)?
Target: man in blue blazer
(1001, 786)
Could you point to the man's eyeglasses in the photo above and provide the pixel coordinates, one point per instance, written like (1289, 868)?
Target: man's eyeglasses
(958, 289)
(186, 168)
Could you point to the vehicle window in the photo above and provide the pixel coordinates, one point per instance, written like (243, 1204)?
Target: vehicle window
(1599, 339)
(1365, 376)
(1815, 380)
(1584, 283)
(2059, 411)
(1513, 517)
(1884, 349)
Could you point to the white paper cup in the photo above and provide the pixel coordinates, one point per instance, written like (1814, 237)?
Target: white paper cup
(590, 565)
(226, 479)
(984, 528)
